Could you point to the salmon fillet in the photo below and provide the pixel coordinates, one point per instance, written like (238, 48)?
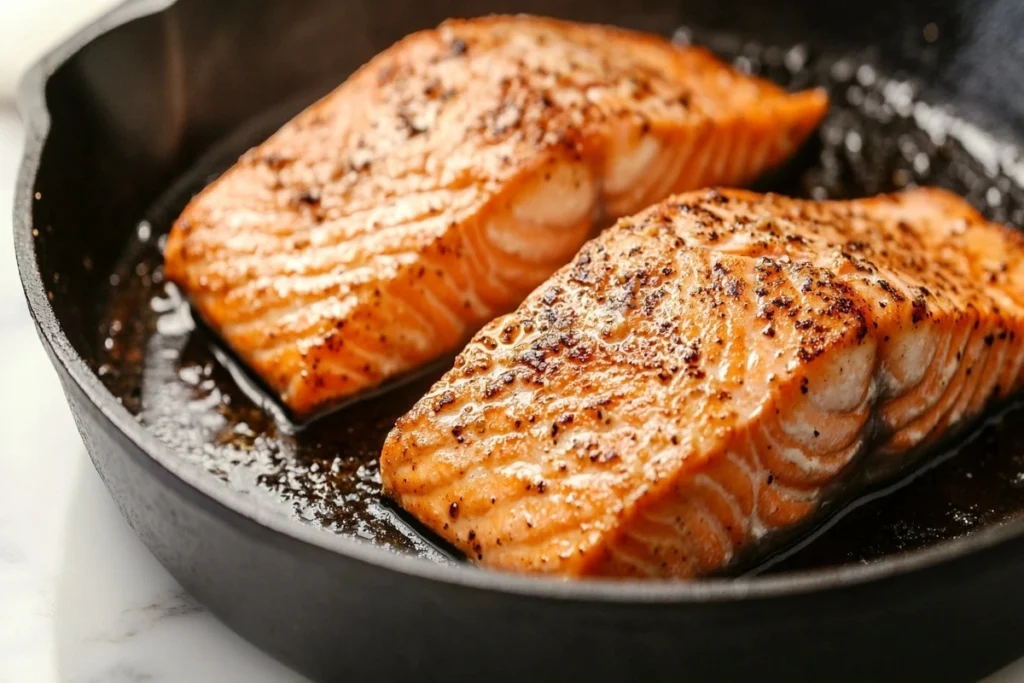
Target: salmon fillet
(447, 178)
(707, 377)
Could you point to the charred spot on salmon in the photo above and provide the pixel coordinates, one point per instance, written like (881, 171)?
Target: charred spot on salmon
(734, 287)
(506, 118)
(310, 197)
(767, 266)
(412, 126)
(892, 291)
(271, 160)
(920, 310)
(691, 352)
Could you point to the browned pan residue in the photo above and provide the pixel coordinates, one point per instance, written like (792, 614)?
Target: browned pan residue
(164, 371)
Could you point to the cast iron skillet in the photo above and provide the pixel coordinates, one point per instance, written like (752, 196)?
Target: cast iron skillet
(123, 107)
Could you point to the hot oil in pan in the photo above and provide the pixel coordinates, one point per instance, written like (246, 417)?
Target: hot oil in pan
(878, 137)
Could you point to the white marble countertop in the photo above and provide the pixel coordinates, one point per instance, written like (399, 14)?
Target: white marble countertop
(81, 599)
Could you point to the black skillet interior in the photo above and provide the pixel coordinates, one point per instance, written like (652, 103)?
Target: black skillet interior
(134, 110)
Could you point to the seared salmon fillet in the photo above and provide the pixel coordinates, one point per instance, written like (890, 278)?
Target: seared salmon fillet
(447, 178)
(707, 376)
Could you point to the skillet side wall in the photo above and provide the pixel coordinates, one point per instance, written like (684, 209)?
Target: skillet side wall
(135, 107)
(337, 618)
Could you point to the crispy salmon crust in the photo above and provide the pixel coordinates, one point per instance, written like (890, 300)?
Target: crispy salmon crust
(446, 179)
(705, 375)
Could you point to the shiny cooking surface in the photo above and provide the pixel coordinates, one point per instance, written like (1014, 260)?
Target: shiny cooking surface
(878, 137)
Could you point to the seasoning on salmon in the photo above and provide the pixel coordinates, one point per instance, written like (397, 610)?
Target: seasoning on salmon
(447, 178)
(705, 376)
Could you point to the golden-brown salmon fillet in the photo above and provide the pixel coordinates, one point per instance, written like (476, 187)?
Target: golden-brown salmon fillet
(705, 376)
(446, 179)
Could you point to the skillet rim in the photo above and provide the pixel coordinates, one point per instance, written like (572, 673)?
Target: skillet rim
(220, 499)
